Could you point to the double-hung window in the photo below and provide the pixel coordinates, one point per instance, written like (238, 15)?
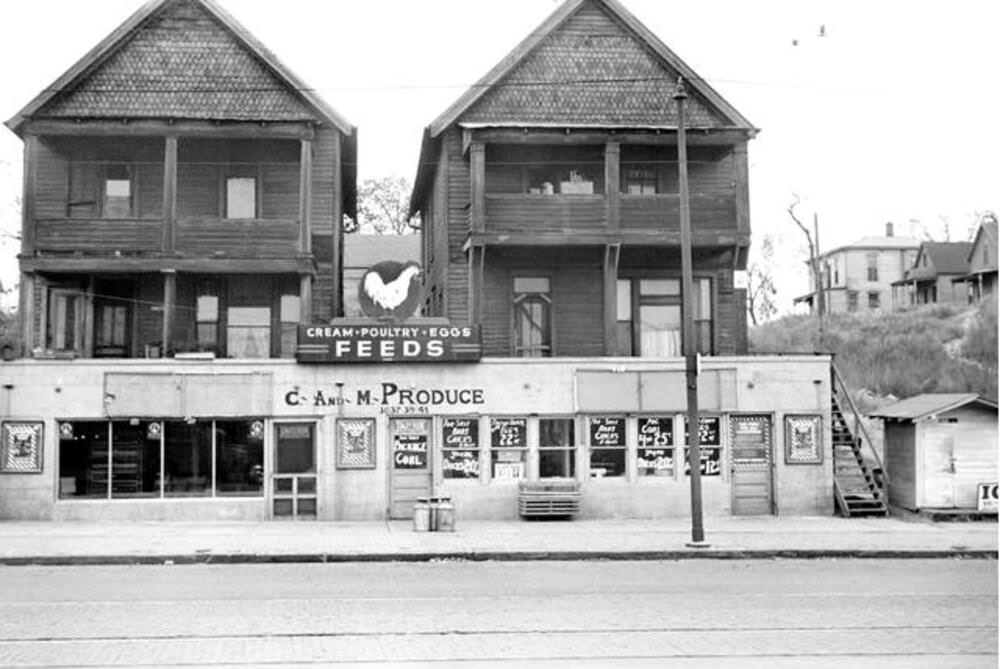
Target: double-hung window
(65, 320)
(532, 317)
(556, 448)
(241, 196)
(650, 317)
(116, 192)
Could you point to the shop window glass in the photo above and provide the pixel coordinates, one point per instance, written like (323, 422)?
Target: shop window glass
(655, 446)
(709, 441)
(83, 459)
(508, 447)
(239, 457)
(556, 439)
(187, 458)
(460, 448)
(248, 332)
(295, 448)
(135, 458)
(607, 446)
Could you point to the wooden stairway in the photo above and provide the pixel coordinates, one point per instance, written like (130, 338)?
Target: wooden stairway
(859, 484)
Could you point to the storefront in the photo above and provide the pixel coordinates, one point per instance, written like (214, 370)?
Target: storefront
(252, 440)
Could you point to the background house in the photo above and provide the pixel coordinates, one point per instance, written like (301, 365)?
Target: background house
(938, 448)
(859, 276)
(183, 192)
(981, 281)
(931, 278)
(549, 195)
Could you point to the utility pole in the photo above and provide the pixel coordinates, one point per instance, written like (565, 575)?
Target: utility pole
(821, 277)
(687, 332)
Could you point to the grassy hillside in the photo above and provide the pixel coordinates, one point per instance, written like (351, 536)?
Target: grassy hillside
(923, 350)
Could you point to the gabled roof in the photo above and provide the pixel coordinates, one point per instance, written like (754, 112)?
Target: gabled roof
(919, 407)
(614, 73)
(943, 258)
(213, 69)
(988, 231)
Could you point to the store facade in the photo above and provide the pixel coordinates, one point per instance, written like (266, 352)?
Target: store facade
(254, 440)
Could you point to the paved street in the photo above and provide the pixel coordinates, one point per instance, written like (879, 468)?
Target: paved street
(699, 613)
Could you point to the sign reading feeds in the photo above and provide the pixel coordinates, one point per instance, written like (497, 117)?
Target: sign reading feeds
(390, 290)
(389, 343)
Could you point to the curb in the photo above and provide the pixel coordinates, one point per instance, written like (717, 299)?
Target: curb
(491, 556)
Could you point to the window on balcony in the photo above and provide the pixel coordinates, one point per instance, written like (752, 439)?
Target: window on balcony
(532, 317)
(290, 316)
(241, 197)
(648, 170)
(65, 320)
(545, 170)
(116, 194)
(207, 319)
(248, 332)
(108, 177)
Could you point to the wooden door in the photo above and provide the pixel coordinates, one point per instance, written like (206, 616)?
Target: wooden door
(939, 467)
(750, 455)
(294, 493)
(410, 468)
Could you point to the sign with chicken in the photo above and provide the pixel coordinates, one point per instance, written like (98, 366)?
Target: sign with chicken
(390, 290)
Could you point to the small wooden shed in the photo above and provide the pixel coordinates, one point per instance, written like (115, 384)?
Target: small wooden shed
(938, 449)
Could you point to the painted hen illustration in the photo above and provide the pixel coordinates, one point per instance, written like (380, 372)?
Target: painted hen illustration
(389, 295)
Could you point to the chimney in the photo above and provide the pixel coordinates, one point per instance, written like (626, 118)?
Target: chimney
(888, 229)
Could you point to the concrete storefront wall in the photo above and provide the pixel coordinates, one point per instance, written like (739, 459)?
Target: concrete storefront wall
(51, 391)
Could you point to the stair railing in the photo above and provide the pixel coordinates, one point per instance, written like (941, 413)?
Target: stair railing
(859, 433)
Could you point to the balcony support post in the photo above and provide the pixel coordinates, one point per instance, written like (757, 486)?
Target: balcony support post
(477, 180)
(169, 241)
(26, 313)
(305, 299)
(612, 252)
(169, 308)
(28, 189)
(305, 196)
(477, 261)
(612, 185)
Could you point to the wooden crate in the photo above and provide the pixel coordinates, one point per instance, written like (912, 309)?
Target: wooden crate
(555, 498)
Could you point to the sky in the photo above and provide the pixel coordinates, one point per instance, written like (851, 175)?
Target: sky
(889, 115)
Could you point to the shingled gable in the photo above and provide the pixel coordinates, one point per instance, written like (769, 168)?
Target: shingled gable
(180, 59)
(590, 64)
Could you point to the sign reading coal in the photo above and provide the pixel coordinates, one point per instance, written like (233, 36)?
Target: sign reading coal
(389, 343)
(409, 451)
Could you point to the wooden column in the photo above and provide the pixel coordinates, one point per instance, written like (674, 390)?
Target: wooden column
(476, 259)
(612, 253)
(89, 318)
(477, 181)
(169, 308)
(26, 313)
(169, 241)
(305, 299)
(28, 190)
(305, 196)
(337, 308)
(612, 185)
(741, 190)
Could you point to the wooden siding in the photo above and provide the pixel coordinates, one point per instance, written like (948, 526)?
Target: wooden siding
(51, 181)
(549, 213)
(716, 213)
(901, 463)
(103, 236)
(325, 188)
(238, 238)
(457, 197)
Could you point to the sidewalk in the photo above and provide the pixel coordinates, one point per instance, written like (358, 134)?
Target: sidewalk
(729, 538)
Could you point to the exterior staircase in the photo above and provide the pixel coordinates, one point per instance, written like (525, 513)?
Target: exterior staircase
(859, 479)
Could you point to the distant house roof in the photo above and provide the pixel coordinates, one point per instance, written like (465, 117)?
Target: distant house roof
(212, 69)
(877, 243)
(921, 406)
(363, 251)
(988, 230)
(943, 258)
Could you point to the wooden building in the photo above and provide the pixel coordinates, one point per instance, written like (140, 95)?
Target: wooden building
(938, 449)
(549, 196)
(931, 279)
(981, 281)
(859, 276)
(183, 192)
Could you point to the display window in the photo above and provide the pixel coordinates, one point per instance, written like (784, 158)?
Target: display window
(460, 448)
(127, 459)
(556, 448)
(606, 435)
(710, 443)
(508, 448)
(655, 446)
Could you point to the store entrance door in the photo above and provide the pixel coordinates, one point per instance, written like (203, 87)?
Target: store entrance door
(293, 483)
(750, 446)
(410, 472)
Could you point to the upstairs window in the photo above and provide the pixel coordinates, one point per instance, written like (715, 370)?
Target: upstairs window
(532, 317)
(116, 192)
(241, 197)
(65, 320)
(872, 266)
(207, 318)
(649, 312)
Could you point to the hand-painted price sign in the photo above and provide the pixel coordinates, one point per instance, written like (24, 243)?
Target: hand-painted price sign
(509, 432)
(655, 432)
(607, 431)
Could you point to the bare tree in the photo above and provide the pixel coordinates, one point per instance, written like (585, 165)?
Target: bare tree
(384, 206)
(761, 291)
(819, 301)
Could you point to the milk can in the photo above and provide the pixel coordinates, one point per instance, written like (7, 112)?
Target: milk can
(444, 515)
(422, 515)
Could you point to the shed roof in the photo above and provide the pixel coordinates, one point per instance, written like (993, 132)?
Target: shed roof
(921, 406)
(180, 59)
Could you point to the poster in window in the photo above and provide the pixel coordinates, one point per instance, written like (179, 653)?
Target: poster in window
(355, 444)
(21, 448)
(460, 448)
(708, 431)
(711, 462)
(409, 451)
(607, 432)
(509, 432)
(802, 440)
